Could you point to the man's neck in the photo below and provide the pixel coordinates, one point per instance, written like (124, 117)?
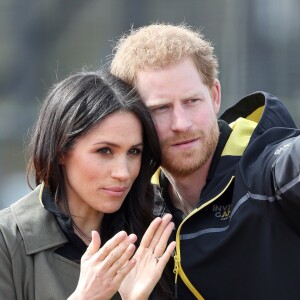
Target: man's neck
(187, 187)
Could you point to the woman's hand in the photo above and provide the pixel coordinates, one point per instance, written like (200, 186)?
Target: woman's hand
(103, 270)
(151, 258)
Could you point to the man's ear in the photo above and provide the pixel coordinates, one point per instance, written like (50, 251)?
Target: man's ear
(216, 95)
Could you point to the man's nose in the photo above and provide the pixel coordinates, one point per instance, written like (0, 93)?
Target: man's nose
(180, 119)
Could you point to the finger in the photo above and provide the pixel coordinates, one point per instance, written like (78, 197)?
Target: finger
(150, 232)
(120, 254)
(121, 262)
(163, 260)
(157, 236)
(116, 259)
(163, 241)
(123, 272)
(111, 244)
(93, 247)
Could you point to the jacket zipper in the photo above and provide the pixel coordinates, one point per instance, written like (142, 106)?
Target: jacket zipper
(177, 257)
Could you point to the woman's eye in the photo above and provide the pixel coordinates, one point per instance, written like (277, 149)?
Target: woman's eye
(104, 151)
(135, 151)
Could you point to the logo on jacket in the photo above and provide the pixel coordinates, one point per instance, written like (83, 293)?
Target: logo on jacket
(222, 211)
(282, 149)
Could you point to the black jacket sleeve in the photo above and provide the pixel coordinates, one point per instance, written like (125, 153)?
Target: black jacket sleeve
(286, 176)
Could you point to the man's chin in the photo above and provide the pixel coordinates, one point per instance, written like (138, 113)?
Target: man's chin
(180, 167)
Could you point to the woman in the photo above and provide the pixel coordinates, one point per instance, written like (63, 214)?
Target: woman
(93, 152)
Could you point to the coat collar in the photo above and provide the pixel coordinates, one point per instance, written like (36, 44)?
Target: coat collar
(38, 227)
(261, 108)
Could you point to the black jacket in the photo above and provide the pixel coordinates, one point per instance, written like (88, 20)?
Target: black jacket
(243, 239)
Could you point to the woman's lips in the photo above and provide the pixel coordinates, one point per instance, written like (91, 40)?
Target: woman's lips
(115, 191)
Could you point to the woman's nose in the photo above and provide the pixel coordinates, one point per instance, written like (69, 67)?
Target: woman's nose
(120, 169)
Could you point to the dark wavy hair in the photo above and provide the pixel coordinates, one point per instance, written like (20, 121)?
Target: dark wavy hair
(72, 108)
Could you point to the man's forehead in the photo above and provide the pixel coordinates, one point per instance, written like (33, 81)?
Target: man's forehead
(160, 99)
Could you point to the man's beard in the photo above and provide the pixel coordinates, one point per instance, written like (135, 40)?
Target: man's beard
(186, 162)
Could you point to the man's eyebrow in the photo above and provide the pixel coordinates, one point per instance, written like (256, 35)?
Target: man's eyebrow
(163, 101)
(157, 102)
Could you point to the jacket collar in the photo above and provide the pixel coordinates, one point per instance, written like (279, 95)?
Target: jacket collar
(38, 227)
(263, 109)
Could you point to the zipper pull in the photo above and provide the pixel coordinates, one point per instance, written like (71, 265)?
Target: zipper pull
(176, 270)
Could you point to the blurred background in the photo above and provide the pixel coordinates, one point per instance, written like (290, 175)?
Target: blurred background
(42, 41)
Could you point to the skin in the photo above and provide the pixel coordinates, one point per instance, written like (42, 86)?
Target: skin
(102, 270)
(140, 282)
(101, 168)
(184, 111)
(99, 171)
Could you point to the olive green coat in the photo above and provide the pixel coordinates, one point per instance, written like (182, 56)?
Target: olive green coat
(29, 267)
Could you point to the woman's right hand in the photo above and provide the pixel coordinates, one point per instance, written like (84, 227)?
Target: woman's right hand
(103, 270)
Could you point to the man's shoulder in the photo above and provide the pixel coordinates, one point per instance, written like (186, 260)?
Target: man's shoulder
(262, 108)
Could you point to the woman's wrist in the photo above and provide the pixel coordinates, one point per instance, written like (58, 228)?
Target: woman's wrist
(134, 296)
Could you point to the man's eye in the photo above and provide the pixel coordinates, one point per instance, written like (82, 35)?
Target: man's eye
(160, 108)
(104, 150)
(193, 100)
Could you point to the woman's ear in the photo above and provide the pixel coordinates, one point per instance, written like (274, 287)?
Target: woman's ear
(61, 159)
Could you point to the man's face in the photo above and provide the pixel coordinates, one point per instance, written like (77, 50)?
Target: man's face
(184, 111)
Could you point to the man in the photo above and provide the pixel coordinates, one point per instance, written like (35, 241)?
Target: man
(233, 184)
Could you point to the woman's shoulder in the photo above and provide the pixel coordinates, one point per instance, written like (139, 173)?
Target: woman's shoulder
(12, 217)
(27, 222)
(7, 215)
(10, 236)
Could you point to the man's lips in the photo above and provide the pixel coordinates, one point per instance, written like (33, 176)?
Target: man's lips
(186, 142)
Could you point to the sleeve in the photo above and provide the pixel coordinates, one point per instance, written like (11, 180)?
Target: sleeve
(286, 174)
(270, 169)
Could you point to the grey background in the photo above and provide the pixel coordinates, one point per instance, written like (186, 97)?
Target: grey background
(42, 41)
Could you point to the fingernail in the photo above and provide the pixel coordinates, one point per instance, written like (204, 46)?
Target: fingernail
(167, 216)
(122, 234)
(132, 237)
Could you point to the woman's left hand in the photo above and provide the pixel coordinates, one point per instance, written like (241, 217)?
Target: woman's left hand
(151, 258)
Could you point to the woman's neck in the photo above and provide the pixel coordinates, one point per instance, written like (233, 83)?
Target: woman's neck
(85, 220)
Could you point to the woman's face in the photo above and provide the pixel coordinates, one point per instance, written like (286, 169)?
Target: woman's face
(101, 167)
